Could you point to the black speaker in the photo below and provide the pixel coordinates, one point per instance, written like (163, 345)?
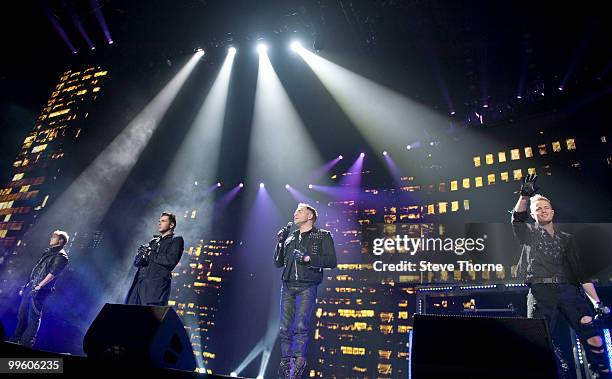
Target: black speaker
(481, 347)
(138, 334)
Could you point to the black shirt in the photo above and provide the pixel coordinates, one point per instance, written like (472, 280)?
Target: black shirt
(544, 256)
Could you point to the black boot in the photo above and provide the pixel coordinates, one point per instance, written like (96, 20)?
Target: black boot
(284, 369)
(299, 367)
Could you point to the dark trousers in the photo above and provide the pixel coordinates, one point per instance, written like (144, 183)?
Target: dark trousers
(28, 318)
(295, 326)
(550, 301)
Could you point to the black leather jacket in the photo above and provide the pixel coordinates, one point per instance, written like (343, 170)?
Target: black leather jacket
(318, 244)
(53, 261)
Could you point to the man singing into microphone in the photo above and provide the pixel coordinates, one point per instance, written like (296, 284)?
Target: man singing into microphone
(41, 284)
(303, 255)
(155, 262)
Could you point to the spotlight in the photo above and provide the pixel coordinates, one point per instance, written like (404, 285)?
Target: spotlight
(195, 183)
(74, 51)
(408, 147)
(111, 42)
(262, 48)
(199, 50)
(241, 185)
(340, 157)
(218, 184)
(296, 45)
(231, 50)
(560, 88)
(362, 155)
(384, 153)
(261, 185)
(485, 106)
(234, 374)
(519, 96)
(452, 113)
(310, 186)
(93, 48)
(287, 186)
(260, 377)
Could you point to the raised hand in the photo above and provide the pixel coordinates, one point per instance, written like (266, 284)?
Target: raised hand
(529, 187)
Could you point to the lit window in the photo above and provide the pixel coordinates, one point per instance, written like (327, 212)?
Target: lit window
(454, 206)
(528, 152)
(501, 156)
(18, 176)
(59, 113)
(466, 182)
(82, 92)
(518, 174)
(466, 206)
(542, 149)
(571, 144)
(431, 209)
(504, 176)
(489, 158)
(96, 89)
(86, 77)
(531, 170)
(478, 181)
(476, 161)
(454, 185)
(515, 154)
(442, 207)
(24, 188)
(491, 179)
(100, 73)
(556, 146)
(39, 148)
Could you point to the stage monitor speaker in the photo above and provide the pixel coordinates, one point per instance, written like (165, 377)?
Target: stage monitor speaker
(138, 334)
(481, 347)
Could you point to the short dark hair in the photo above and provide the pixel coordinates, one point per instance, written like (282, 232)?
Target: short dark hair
(171, 217)
(312, 209)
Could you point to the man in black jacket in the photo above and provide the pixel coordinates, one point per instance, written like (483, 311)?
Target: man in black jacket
(550, 267)
(155, 262)
(40, 285)
(303, 255)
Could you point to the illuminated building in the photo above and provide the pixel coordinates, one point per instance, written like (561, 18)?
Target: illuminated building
(39, 164)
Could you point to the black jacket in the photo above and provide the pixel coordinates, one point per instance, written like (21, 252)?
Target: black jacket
(154, 279)
(52, 261)
(318, 244)
(526, 235)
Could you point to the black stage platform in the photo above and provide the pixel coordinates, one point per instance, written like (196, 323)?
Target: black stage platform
(83, 367)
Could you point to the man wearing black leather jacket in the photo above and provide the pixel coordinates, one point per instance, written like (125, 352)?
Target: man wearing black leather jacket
(155, 262)
(40, 285)
(303, 255)
(550, 266)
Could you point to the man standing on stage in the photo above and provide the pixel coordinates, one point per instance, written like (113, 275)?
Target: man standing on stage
(549, 266)
(303, 255)
(40, 285)
(155, 262)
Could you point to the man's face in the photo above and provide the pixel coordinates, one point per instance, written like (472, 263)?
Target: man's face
(55, 240)
(542, 212)
(164, 224)
(301, 215)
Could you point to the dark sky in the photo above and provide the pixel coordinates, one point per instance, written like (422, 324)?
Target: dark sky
(474, 47)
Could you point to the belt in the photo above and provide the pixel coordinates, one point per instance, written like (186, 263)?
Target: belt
(547, 280)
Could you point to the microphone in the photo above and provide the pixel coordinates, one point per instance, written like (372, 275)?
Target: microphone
(284, 232)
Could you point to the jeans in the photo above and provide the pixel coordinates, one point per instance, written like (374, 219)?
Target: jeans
(28, 318)
(294, 340)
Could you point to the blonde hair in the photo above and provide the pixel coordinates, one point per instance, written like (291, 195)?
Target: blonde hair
(537, 197)
(63, 235)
